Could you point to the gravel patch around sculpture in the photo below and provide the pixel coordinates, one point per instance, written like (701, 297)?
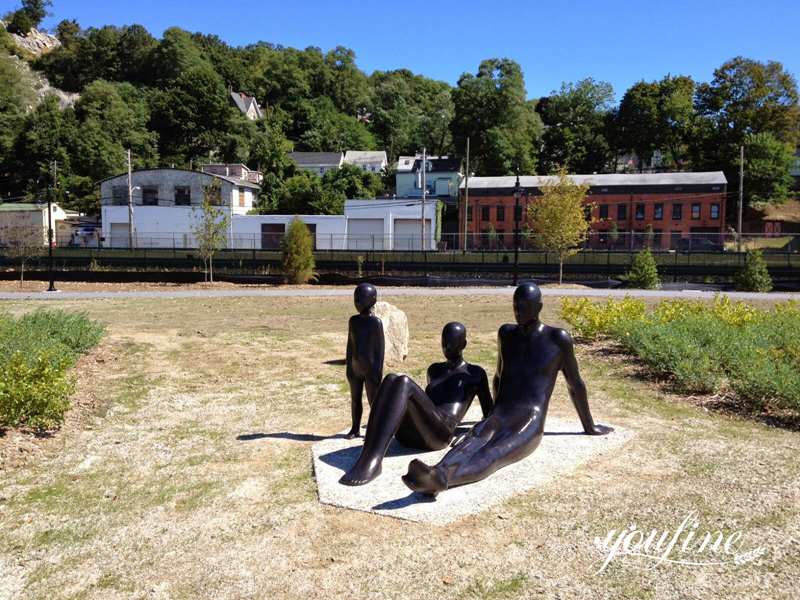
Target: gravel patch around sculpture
(563, 448)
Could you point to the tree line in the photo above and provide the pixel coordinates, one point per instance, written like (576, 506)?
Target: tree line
(168, 100)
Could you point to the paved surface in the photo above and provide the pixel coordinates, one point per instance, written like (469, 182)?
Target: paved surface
(563, 448)
(347, 291)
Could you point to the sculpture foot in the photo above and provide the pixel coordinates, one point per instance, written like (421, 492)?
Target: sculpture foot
(352, 434)
(359, 475)
(424, 479)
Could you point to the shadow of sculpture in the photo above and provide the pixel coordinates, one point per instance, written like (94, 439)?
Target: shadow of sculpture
(287, 435)
(412, 498)
(346, 457)
(337, 362)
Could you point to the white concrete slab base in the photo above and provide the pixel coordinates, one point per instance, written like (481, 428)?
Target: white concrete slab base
(563, 448)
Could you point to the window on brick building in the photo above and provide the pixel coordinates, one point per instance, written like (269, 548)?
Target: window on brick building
(501, 213)
(469, 213)
(696, 210)
(677, 212)
(604, 211)
(715, 211)
(484, 213)
(622, 212)
(640, 212)
(658, 212)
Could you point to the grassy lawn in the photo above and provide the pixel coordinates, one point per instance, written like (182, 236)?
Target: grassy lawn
(162, 492)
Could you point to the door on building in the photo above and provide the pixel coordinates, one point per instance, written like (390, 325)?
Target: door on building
(241, 197)
(407, 234)
(312, 229)
(120, 236)
(365, 234)
(271, 235)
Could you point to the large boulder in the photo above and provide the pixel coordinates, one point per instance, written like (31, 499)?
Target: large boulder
(395, 332)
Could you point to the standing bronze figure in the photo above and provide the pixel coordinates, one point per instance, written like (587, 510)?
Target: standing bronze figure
(424, 419)
(365, 349)
(530, 355)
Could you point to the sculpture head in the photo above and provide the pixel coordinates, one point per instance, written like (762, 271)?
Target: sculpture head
(454, 340)
(365, 297)
(527, 303)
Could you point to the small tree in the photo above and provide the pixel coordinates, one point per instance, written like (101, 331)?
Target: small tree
(558, 219)
(210, 228)
(644, 272)
(755, 275)
(649, 236)
(298, 253)
(613, 234)
(22, 243)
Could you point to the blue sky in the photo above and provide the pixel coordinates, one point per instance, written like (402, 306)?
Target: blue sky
(618, 42)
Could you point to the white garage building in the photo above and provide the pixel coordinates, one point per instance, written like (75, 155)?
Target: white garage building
(166, 206)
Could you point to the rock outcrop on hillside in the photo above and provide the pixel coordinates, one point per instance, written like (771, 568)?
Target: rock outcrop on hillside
(36, 42)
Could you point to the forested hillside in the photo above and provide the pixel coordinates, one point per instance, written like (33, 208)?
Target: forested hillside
(168, 101)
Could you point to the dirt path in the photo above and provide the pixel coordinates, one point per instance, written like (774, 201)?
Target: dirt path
(195, 480)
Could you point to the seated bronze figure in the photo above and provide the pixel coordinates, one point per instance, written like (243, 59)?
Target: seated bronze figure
(530, 355)
(365, 350)
(424, 419)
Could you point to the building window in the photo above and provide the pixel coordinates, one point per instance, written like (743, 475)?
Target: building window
(469, 213)
(658, 212)
(640, 212)
(484, 213)
(119, 195)
(501, 213)
(622, 212)
(696, 211)
(150, 196)
(715, 211)
(183, 196)
(604, 211)
(677, 212)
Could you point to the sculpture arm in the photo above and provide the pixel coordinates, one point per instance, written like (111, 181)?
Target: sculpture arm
(575, 384)
(381, 350)
(499, 370)
(349, 356)
(484, 395)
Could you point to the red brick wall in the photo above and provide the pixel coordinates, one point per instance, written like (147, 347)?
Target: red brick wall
(666, 225)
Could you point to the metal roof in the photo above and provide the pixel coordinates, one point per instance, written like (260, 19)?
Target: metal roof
(21, 207)
(614, 179)
(316, 159)
(365, 156)
(233, 180)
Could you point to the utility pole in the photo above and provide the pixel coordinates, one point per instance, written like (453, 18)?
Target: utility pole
(741, 200)
(517, 194)
(424, 194)
(466, 201)
(130, 202)
(50, 196)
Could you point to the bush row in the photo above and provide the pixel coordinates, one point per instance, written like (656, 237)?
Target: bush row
(36, 350)
(722, 346)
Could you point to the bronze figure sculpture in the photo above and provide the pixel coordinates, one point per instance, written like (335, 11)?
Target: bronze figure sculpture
(530, 355)
(424, 419)
(365, 349)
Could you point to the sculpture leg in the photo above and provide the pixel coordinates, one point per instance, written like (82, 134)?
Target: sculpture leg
(399, 401)
(356, 409)
(490, 446)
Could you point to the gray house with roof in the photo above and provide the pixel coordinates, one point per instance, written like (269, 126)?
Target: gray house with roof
(317, 162)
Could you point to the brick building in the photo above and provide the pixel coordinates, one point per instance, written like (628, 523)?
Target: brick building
(675, 206)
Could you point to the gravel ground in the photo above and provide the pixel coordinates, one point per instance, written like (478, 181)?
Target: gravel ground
(185, 472)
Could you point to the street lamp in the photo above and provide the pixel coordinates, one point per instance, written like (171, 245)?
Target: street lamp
(52, 286)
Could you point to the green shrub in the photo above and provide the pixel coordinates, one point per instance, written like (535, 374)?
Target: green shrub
(298, 253)
(644, 272)
(20, 22)
(35, 352)
(754, 277)
(705, 347)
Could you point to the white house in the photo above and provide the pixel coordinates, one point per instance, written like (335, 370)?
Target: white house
(389, 224)
(373, 161)
(166, 203)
